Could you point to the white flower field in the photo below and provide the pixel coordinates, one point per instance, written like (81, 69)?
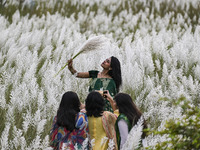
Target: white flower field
(156, 41)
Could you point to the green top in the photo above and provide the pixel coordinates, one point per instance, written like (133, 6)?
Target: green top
(124, 117)
(103, 84)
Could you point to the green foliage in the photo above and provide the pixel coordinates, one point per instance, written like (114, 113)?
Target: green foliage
(18, 117)
(8, 92)
(30, 134)
(182, 133)
(47, 128)
(3, 119)
(156, 57)
(39, 77)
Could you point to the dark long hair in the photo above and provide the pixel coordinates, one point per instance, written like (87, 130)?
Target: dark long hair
(115, 73)
(126, 106)
(69, 107)
(94, 104)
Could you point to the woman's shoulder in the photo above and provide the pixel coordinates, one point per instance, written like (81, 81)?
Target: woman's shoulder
(109, 116)
(93, 73)
(54, 122)
(122, 116)
(81, 120)
(108, 113)
(81, 115)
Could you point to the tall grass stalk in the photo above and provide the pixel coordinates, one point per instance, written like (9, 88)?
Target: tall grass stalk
(91, 44)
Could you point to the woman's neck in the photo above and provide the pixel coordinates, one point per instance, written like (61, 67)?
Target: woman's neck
(104, 74)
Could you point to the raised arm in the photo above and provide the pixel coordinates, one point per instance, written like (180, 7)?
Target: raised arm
(74, 72)
(110, 99)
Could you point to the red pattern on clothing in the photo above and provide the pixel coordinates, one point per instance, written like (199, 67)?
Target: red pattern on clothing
(63, 138)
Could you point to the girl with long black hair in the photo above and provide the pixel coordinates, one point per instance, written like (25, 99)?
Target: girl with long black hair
(108, 79)
(70, 126)
(129, 114)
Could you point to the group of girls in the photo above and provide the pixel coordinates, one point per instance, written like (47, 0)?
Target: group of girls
(107, 115)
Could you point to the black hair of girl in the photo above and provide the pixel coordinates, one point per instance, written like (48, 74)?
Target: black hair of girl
(126, 106)
(68, 109)
(94, 104)
(115, 73)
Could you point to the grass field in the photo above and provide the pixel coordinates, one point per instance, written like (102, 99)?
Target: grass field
(156, 41)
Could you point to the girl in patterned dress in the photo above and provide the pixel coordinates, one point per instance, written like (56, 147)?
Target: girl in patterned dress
(70, 126)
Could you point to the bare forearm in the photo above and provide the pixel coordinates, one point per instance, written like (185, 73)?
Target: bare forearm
(82, 75)
(110, 99)
(79, 74)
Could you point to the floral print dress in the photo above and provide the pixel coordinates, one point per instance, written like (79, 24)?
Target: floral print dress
(61, 138)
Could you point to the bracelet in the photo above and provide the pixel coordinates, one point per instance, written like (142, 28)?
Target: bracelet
(75, 74)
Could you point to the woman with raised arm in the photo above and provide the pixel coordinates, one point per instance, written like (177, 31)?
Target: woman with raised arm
(70, 126)
(108, 79)
(129, 115)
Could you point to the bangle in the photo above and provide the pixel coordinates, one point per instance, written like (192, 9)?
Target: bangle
(75, 74)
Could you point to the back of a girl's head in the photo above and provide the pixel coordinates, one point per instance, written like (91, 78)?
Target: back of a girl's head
(124, 101)
(68, 109)
(94, 104)
(126, 106)
(70, 100)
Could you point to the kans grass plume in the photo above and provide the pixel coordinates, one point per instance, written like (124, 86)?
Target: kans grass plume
(134, 136)
(92, 44)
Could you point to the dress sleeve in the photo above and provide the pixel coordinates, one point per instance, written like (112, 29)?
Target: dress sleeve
(123, 130)
(54, 133)
(112, 118)
(108, 120)
(93, 73)
(116, 112)
(82, 121)
(53, 126)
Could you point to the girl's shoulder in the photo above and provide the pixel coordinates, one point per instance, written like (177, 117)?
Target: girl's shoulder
(93, 73)
(81, 120)
(109, 116)
(125, 118)
(122, 116)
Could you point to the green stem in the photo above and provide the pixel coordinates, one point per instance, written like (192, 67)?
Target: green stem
(77, 55)
(61, 69)
(67, 63)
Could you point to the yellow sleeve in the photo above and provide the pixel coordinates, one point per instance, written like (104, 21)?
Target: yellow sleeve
(116, 112)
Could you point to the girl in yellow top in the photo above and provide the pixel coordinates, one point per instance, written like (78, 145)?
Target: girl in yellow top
(101, 123)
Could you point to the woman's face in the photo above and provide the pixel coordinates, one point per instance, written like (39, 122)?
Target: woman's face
(106, 63)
